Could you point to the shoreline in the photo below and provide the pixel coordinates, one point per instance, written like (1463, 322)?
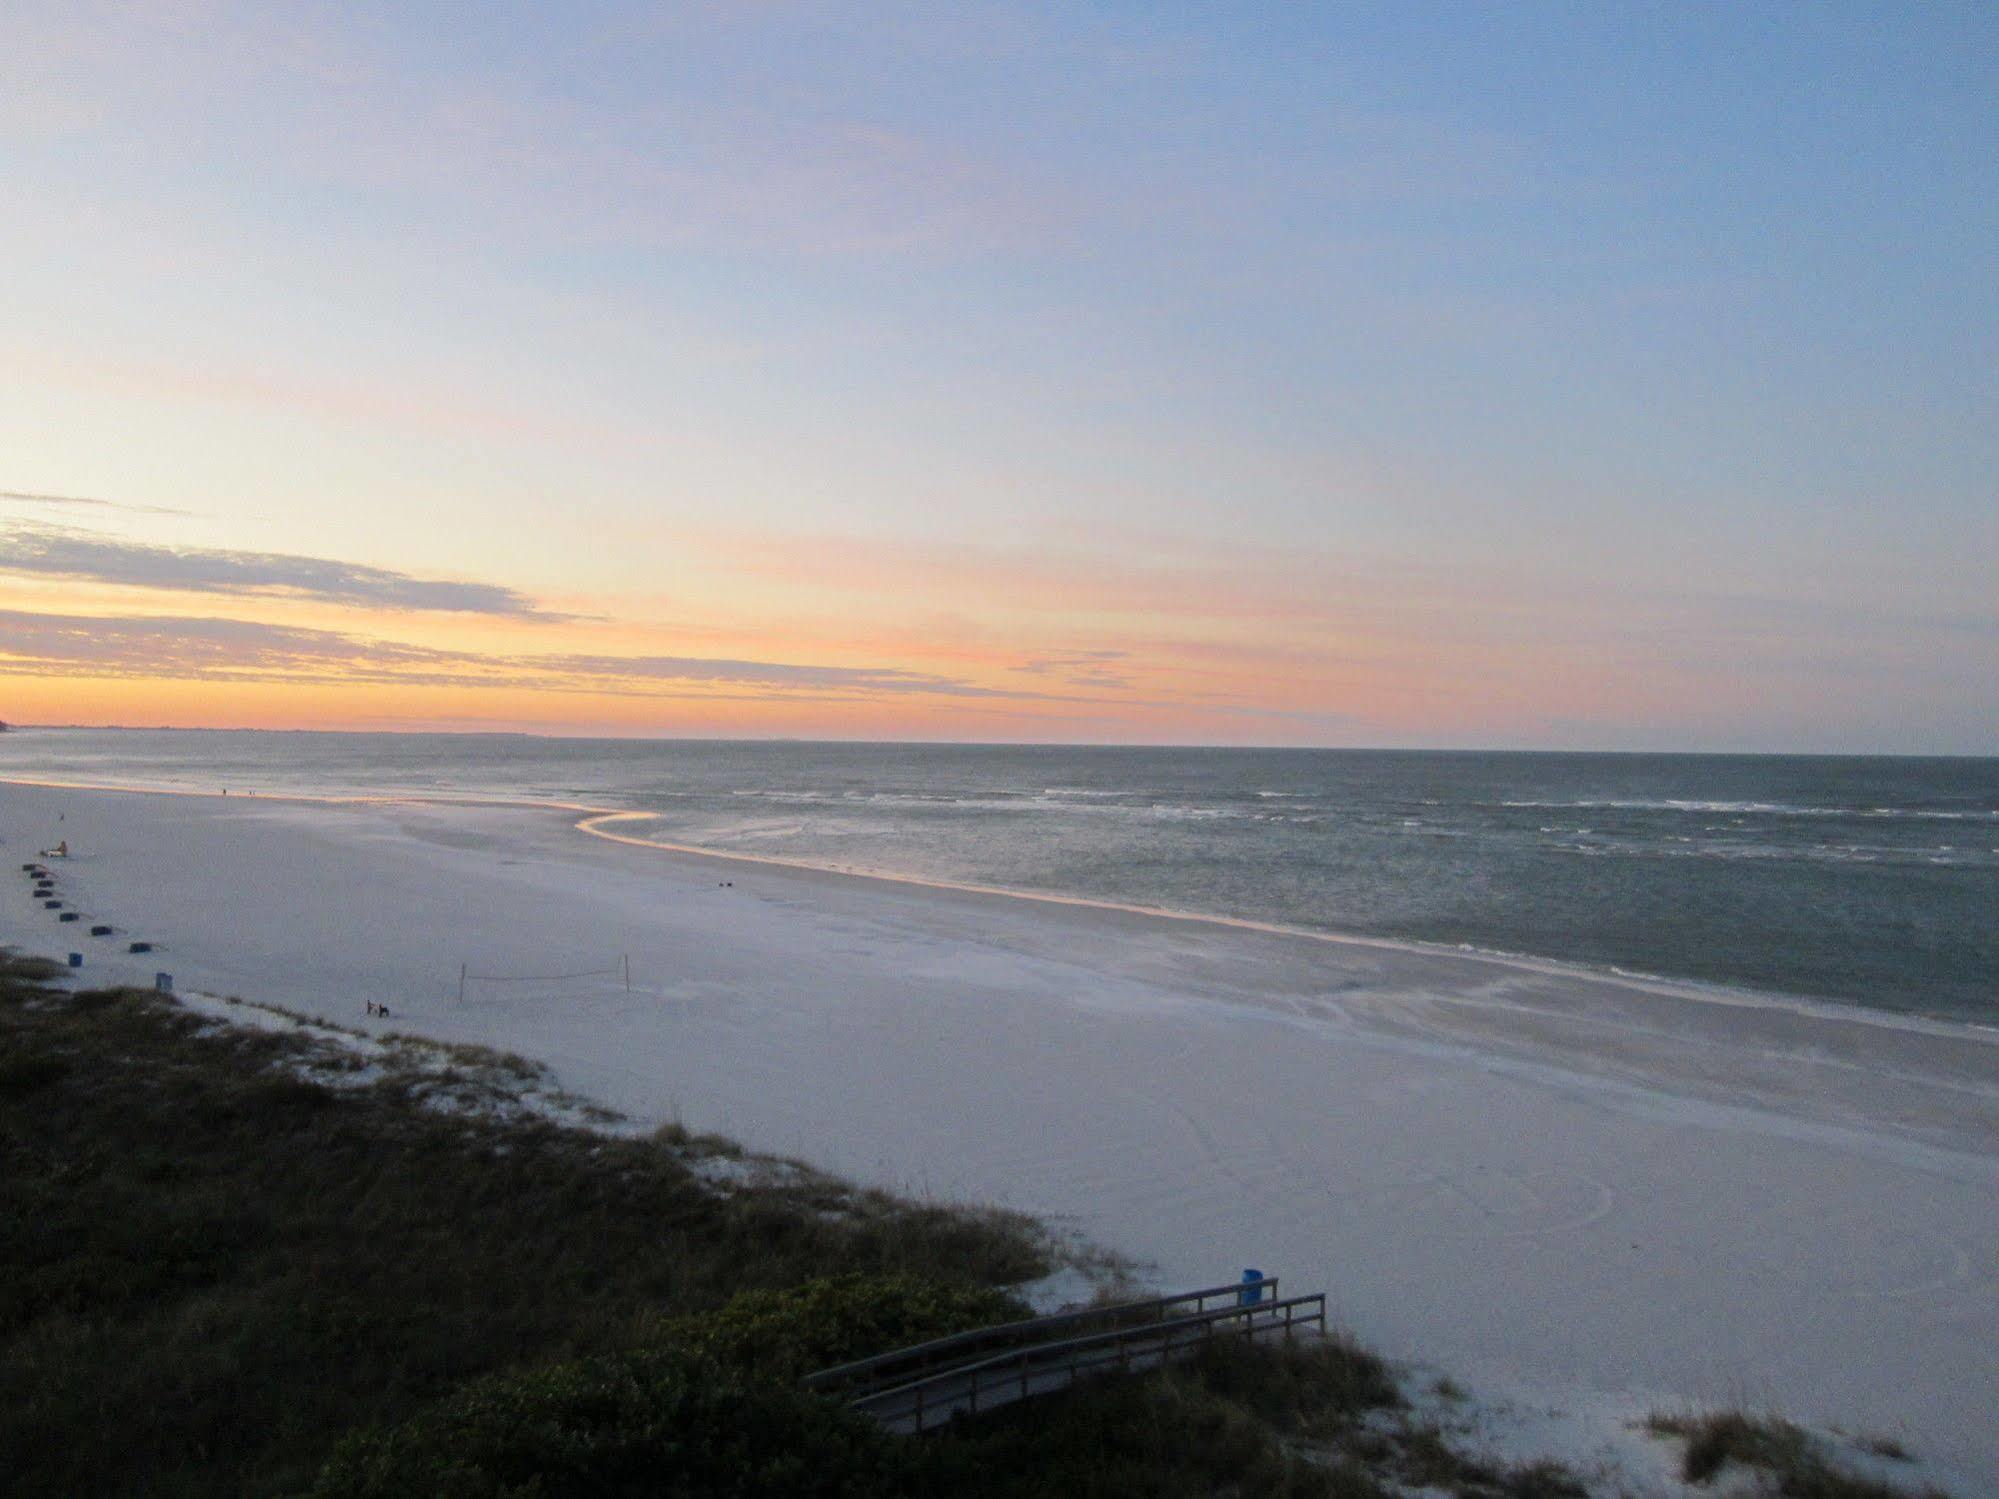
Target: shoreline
(594, 818)
(1541, 1180)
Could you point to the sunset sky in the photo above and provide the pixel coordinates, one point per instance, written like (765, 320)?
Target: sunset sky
(1585, 376)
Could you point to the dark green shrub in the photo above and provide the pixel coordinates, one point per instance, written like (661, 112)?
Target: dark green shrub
(1313, 1388)
(22, 1075)
(788, 1333)
(663, 1425)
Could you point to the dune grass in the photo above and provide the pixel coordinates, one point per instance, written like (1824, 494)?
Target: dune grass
(1790, 1461)
(245, 1260)
(252, 1260)
(228, 1264)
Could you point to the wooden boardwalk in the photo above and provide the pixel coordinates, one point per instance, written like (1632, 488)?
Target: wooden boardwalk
(921, 1388)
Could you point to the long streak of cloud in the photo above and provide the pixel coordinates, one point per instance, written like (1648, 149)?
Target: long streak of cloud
(74, 501)
(193, 648)
(63, 552)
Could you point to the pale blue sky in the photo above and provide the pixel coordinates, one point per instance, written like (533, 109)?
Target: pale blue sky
(1662, 333)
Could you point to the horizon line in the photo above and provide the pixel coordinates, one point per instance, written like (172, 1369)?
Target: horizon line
(1052, 744)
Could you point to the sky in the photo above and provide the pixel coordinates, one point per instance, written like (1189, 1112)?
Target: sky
(1594, 376)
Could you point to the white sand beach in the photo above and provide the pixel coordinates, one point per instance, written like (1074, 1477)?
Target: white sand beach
(1557, 1184)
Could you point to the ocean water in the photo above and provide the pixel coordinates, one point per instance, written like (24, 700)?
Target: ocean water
(1869, 881)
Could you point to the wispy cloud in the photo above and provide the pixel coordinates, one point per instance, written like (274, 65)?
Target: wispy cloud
(767, 674)
(191, 648)
(722, 147)
(197, 648)
(23, 497)
(1080, 668)
(63, 552)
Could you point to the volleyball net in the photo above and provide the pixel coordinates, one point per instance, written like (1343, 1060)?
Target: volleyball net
(473, 985)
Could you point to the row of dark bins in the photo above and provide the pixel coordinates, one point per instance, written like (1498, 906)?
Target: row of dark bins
(44, 884)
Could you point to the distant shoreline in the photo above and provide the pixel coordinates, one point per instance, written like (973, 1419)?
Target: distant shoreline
(593, 818)
(1113, 746)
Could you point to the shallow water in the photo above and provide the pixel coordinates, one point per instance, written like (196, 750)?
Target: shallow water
(1874, 881)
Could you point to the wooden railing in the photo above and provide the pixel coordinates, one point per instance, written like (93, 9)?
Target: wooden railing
(979, 1379)
(903, 1364)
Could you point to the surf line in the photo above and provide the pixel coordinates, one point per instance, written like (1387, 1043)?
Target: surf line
(596, 820)
(599, 823)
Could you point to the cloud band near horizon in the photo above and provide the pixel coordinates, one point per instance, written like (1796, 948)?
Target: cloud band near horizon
(84, 556)
(198, 648)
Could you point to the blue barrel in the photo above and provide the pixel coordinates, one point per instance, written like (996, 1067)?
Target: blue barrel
(76, 960)
(1252, 1288)
(163, 982)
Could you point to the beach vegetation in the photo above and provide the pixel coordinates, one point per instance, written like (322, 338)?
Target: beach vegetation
(1790, 1461)
(1888, 1447)
(657, 1424)
(1422, 1457)
(269, 1259)
(715, 1407)
(230, 1263)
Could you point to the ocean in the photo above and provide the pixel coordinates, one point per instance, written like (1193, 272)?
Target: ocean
(1873, 881)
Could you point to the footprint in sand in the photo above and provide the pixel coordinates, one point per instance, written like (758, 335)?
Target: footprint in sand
(1502, 1204)
(1907, 1266)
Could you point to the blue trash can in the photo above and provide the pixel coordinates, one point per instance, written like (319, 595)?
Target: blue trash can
(1251, 1293)
(76, 960)
(163, 982)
